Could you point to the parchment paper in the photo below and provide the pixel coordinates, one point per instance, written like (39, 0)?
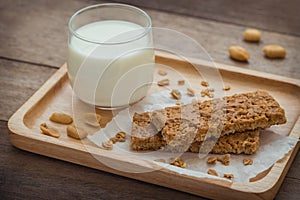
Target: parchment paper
(272, 146)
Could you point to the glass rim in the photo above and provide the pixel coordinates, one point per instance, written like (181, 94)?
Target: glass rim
(119, 5)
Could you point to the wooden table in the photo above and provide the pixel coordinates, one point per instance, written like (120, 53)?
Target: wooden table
(33, 41)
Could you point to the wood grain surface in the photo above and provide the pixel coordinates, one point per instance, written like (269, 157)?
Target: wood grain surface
(43, 29)
(276, 16)
(33, 41)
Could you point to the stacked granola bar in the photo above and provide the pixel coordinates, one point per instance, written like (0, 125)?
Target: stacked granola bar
(227, 125)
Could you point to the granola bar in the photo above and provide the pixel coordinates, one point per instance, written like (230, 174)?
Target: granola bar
(246, 143)
(144, 135)
(238, 143)
(239, 115)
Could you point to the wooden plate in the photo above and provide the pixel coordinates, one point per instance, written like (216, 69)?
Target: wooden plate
(56, 95)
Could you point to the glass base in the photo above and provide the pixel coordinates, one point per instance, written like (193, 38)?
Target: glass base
(118, 107)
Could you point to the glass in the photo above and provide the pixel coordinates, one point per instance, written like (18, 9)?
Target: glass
(111, 56)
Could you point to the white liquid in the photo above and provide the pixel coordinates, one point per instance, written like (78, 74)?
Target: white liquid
(111, 75)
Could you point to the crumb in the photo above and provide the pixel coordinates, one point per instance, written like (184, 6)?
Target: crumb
(212, 160)
(162, 72)
(212, 172)
(207, 92)
(119, 137)
(181, 82)
(163, 82)
(229, 176)
(225, 159)
(190, 92)
(113, 140)
(108, 145)
(204, 83)
(178, 103)
(179, 163)
(248, 161)
(176, 94)
(226, 87)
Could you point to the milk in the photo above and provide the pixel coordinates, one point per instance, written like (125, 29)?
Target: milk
(113, 74)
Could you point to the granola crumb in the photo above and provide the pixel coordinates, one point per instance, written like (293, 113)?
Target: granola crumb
(212, 160)
(121, 136)
(204, 83)
(212, 172)
(207, 92)
(163, 82)
(226, 87)
(181, 82)
(176, 94)
(225, 159)
(162, 72)
(178, 162)
(178, 103)
(108, 145)
(248, 161)
(229, 176)
(211, 89)
(190, 92)
(113, 140)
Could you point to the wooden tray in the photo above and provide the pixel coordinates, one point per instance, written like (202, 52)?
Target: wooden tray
(56, 95)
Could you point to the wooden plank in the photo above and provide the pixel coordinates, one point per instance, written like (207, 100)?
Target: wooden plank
(56, 94)
(18, 82)
(215, 38)
(294, 171)
(289, 189)
(38, 33)
(25, 175)
(275, 16)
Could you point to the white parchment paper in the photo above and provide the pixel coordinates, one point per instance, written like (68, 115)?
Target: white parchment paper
(272, 146)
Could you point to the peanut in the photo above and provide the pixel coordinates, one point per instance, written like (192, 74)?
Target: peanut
(75, 132)
(108, 145)
(190, 92)
(162, 72)
(61, 118)
(114, 140)
(178, 103)
(163, 82)
(51, 131)
(252, 35)
(181, 82)
(238, 53)
(226, 87)
(175, 94)
(274, 51)
(92, 119)
(212, 172)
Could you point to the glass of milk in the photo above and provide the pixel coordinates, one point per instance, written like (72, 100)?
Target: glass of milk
(111, 55)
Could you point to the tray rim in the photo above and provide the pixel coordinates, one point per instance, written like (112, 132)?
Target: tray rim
(260, 188)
